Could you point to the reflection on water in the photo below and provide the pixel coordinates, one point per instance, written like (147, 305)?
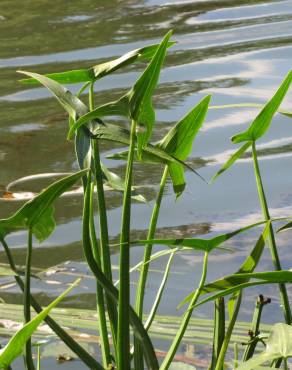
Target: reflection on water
(238, 51)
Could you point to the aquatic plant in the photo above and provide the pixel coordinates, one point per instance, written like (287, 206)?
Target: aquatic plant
(132, 346)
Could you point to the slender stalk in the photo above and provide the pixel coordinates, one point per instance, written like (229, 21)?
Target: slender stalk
(65, 337)
(123, 340)
(255, 327)
(136, 323)
(140, 294)
(185, 321)
(105, 347)
(271, 236)
(219, 330)
(286, 367)
(221, 357)
(39, 358)
(235, 355)
(29, 365)
(157, 300)
(103, 226)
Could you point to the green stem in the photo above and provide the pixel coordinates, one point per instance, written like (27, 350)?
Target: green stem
(255, 328)
(286, 367)
(123, 340)
(29, 365)
(62, 334)
(105, 347)
(185, 321)
(219, 330)
(136, 323)
(103, 226)
(221, 357)
(271, 236)
(138, 358)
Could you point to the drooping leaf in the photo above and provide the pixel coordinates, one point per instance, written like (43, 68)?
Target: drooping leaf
(38, 212)
(249, 264)
(278, 345)
(206, 245)
(100, 70)
(115, 182)
(263, 120)
(179, 141)
(16, 344)
(234, 157)
(75, 108)
(120, 135)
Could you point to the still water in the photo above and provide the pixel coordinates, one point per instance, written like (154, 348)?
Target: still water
(238, 51)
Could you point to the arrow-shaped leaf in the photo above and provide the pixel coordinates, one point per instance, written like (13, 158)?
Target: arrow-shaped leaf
(263, 120)
(38, 212)
(100, 70)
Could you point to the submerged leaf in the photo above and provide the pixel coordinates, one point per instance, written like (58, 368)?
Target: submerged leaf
(37, 214)
(16, 344)
(263, 120)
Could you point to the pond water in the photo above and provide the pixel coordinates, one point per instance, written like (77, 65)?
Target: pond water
(238, 51)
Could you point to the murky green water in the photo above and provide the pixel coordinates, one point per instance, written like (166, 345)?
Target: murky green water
(238, 51)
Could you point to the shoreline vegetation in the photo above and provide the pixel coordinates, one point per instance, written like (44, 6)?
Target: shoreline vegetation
(126, 334)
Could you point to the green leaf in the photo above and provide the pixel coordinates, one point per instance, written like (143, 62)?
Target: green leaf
(269, 277)
(16, 344)
(38, 212)
(137, 103)
(120, 135)
(278, 345)
(140, 96)
(248, 265)
(263, 120)
(115, 182)
(248, 105)
(206, 245)
(74, 106)
(100, 70)
(179, 141)
(288, 226)
(234, 157)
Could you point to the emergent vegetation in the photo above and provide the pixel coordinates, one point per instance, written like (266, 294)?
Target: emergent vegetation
(131, 346)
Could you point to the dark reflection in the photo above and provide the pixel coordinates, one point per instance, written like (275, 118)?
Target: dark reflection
(86, 23)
